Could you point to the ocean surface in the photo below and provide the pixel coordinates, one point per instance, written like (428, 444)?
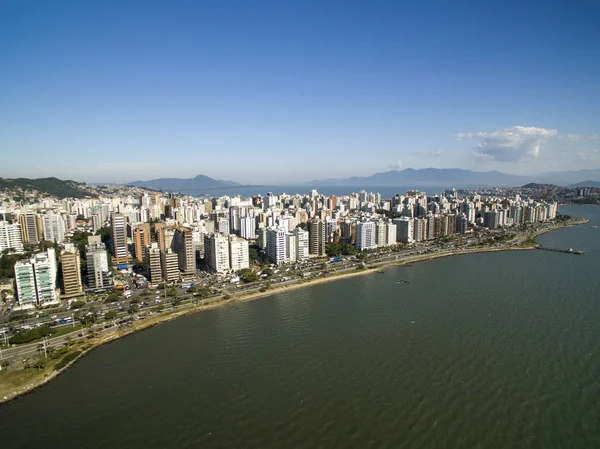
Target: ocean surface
(387, 192)
(494, 350)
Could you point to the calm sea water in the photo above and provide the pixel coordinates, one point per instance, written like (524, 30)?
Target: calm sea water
(387, 192)
(496, 350)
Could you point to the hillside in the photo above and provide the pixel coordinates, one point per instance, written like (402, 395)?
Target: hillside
(50, 186)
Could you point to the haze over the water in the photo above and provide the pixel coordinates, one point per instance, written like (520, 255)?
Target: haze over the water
(272, 92)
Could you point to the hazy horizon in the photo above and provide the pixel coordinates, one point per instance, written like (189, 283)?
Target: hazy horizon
(271, 93)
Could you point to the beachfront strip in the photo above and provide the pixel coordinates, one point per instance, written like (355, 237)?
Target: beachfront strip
(90, 245)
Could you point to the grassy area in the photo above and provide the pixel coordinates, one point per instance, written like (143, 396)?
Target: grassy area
(14, 380)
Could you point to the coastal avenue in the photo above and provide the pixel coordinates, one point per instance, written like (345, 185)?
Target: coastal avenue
(188, 301)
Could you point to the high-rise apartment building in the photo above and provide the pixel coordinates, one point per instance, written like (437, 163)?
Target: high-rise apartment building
(238, 253)
(97, 264)
(183, 245)
(366, 235)
(290, 248)
(54, 227)
(141, 237)
(276, 245)
(119, 238)
(248, 228)
(10, 237)
(170, 265)
(36, 280)
(31, 229)
(71, 273)
(316, 237)
(404, 229)
(153, 263)
(301, 241)
(216, 252)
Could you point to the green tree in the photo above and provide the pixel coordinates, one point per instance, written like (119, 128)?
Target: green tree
(248, 275)
(133, 308)
(105, 235)
(333, 249)
(110, 315)
(39, 364)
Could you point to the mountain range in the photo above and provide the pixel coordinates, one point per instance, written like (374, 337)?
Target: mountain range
(455, 177)
(417, 178)
(200, 182)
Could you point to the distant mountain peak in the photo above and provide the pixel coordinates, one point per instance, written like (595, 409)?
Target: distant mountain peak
(199, 182)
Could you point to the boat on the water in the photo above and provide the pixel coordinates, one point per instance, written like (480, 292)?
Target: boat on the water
(594, 227)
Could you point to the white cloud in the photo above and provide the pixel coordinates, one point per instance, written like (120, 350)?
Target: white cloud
(397, 165)
(435, 153)
(517, 143)
(578, 138)
(593, 155)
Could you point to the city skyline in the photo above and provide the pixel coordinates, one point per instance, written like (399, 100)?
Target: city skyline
(272, 93)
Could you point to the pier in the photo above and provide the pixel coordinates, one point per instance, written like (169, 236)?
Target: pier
(568, 251)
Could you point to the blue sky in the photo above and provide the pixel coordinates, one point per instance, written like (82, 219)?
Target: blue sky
(276, 92)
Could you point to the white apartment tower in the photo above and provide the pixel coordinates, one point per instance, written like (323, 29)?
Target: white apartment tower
(97, 263)
(301, 244)
(36, 280)
(247, 228)
(119, 237)
(10, 237)
(54, 228)
(216, 252)
(366, 235)
(238, 253)
(276, 245)
(290, 248)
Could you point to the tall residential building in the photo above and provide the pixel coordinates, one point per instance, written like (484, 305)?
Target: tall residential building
(290, 248)
(276, 244)
(153, 264)
(183, 245)
(25, 280)
(390, 238)
(404, 229)
(381, 233)
(54, 228)
(247, 228)
(366, 235)
(71, 274)
(316, 237)
(10, 237)
(222, 225)
(36, 280)
(97, 263)
(238, 253)
(216, 252)
(301, 237)
(170, 265)
(119, 238)
(141, 237)
(419, 229)
(31, 229)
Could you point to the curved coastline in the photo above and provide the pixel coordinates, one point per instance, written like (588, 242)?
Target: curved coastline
(48, 374)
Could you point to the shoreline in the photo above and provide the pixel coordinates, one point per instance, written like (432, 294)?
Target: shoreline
(48, 374)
